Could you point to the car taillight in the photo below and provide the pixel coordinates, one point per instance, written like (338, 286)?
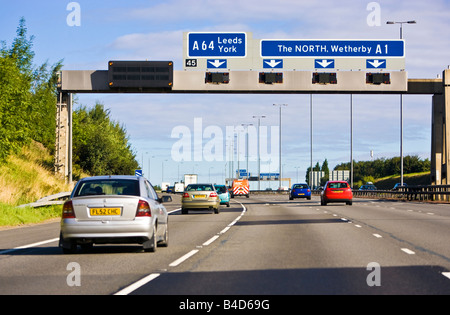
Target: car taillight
(68, 211)
(185, 195)
(143, 209)
(213, 194)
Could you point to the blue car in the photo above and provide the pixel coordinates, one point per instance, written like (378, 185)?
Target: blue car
(300, 191)
(224, 195)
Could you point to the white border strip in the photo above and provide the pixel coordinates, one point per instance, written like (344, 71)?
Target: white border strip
(212, 239)
(183, 258)
(408, 251)
(137, 284)
(28, 246)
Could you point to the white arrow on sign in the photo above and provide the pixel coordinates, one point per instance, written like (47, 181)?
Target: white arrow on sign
(216, 63)
(324, 63)
(272, 63)
(376, 63)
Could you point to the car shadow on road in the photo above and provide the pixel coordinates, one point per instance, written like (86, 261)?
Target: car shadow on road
(55, 250)
(308, 281)
(291, 221)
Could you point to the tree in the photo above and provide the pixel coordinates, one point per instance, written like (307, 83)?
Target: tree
(316, 168)
(27, 98)
(326, 171)
(44, 104)
(365, 170)
(21, 50)
(101, 145)
(14, 105)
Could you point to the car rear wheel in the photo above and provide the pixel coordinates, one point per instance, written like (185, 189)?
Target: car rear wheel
(67, 246)
(150, 245)
(165, 241)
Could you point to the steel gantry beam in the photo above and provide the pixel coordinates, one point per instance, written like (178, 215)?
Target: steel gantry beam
(250, 82)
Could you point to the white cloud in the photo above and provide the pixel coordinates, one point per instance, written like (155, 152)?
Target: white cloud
(152, 46)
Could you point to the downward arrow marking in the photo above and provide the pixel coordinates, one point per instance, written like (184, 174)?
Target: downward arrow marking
(272, 63)
(216, 63)
(376, 63)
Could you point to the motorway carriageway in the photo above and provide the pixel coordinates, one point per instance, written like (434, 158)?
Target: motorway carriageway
(264, 245)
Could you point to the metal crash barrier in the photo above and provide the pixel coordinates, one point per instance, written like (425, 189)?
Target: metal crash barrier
(410, 193)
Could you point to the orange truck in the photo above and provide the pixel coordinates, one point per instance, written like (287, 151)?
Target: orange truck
(240, 188)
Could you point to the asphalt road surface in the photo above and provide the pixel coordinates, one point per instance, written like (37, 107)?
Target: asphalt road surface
(264, 245)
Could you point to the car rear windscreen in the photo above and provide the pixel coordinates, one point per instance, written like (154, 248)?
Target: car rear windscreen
(199, 187)
(337, 185)
(108, 187)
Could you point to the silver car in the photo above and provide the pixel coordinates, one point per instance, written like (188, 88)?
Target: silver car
(114, 209)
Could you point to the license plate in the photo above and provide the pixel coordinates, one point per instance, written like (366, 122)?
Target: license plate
(300, 194)
(199, 196)
(104, 211)
(338, 191)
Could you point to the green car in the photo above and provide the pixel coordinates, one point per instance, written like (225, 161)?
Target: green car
(224, 195)
(200, 196)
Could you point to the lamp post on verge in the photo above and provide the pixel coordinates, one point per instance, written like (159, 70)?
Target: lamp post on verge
(246, 146)
(280, 176)
(401, 102)
(259, 151)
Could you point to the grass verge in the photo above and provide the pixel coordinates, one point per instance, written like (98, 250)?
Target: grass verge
(14, 216)
(24, 178)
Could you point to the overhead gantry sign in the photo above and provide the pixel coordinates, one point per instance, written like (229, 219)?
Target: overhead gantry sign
(236, 63)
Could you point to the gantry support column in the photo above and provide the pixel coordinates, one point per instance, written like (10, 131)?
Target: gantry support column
(440, 136)
(63, 143)
(437, 139)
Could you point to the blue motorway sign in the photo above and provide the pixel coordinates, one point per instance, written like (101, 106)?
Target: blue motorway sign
(138, 173)
(332, 48)
(217, 45)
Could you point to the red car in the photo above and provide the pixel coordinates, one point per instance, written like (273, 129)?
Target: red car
(336, 191)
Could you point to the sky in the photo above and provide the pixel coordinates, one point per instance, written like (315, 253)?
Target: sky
(86, 34)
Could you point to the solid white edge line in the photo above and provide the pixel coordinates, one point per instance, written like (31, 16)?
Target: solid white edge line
(29, 246)
(183, 258)
(137, 284)
(408, 251)
(446, 274)
(224, 230)
(212, 239)
(169, 212)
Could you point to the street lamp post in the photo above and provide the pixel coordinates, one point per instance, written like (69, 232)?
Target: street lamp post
(259, 152)
(246, 146)
(401, 103)
(311, 137)
(280, 106)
